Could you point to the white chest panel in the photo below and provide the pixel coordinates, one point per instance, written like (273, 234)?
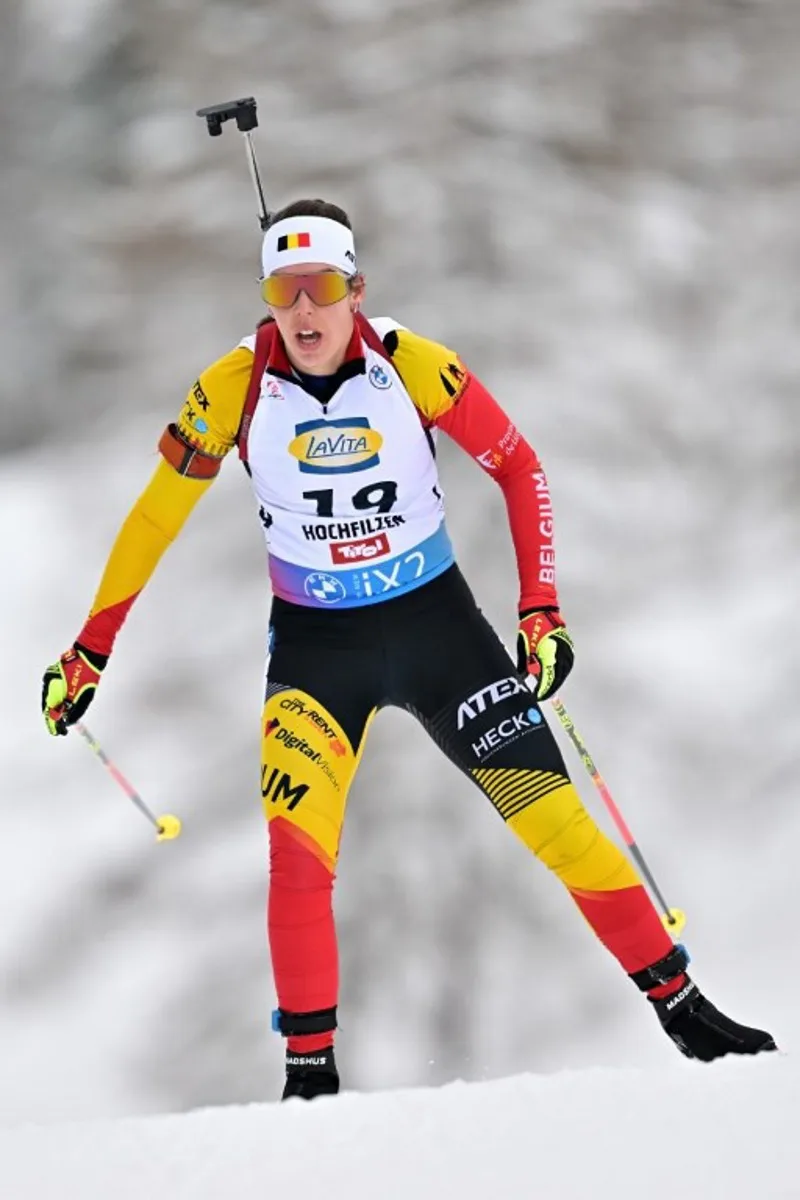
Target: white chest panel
(348, 492)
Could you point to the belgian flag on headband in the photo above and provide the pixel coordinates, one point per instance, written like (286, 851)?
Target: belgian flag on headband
(294, 241)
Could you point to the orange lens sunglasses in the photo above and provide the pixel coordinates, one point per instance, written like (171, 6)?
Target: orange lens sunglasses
(323, 288)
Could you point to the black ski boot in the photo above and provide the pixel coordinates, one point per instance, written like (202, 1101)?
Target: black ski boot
(701, 1031)
(697, 1028)
(310, 1075)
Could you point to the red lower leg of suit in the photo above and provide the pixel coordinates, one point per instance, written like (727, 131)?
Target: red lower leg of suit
(628, 925)
(302, 935)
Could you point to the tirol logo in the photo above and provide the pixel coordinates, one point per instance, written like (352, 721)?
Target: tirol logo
(363, 550)
(336, 447)
(480, 701)
(507, 731)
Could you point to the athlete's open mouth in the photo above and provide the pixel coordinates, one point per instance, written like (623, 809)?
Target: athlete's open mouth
(308, 338)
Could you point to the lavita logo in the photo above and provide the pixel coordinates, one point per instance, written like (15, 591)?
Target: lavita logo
(336, 447)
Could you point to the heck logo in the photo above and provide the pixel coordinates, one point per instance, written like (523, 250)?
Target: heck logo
(336, 447)
(507, 731)
(487, 697)
(360, 551)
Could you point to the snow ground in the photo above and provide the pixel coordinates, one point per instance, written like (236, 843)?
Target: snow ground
(689, 1130)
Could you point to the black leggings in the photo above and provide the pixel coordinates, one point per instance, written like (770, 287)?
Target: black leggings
(431, 652)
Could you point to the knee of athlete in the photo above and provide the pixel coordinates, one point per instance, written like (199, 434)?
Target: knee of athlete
(296, 867)
(560, 831)
(582, 856)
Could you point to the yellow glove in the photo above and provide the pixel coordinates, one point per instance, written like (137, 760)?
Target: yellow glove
(68, 687)
(544, 649)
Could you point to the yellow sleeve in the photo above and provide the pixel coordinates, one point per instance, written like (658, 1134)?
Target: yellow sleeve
(152, 524)
(192, 451)
(434, 376)
(208, 423)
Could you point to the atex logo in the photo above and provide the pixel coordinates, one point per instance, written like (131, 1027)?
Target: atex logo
(363, 550)
(507, 731)
(487, 697)
(336, 447)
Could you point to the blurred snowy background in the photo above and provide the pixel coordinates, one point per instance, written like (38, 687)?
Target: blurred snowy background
(595, 202)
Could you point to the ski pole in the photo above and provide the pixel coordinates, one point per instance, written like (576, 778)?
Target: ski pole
(244, 113)
(674, 919)
(167, 826)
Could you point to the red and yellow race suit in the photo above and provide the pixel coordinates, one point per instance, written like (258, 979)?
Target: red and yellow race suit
(350, 500)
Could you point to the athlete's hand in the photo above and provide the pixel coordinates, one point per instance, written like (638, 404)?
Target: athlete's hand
(68, 687)
(544, 649)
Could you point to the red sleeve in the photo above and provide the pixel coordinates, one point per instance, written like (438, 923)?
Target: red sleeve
(477, 423)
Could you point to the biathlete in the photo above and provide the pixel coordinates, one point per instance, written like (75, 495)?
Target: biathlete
(335, 419)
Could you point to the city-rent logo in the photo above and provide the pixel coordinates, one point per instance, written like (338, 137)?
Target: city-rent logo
(336, 447)
(293, 704)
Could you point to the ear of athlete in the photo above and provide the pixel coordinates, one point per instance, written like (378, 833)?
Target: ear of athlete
(544, 649)
(69, 686)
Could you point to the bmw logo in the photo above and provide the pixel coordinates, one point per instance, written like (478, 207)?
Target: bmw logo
(326, 589)
(379, 378)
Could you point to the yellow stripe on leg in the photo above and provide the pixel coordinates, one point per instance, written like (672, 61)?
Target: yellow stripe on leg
(560, 832)
(547, 814)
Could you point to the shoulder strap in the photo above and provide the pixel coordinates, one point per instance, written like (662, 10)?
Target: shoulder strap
(264, 339)
(370, 337)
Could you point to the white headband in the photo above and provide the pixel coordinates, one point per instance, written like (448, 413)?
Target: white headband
(305, 240)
